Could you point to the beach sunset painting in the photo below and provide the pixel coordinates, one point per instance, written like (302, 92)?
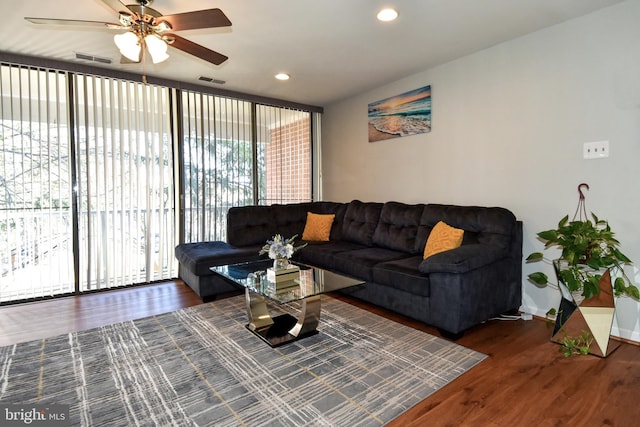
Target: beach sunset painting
(400, 115)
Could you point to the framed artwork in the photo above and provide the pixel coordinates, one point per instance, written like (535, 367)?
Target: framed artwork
(401, 115)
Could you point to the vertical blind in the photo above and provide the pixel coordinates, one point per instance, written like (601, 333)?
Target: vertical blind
(36, 249)
(126, 209)
(217, 162)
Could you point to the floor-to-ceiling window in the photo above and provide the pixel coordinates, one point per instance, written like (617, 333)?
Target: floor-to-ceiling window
(99, 175)
(36, 247)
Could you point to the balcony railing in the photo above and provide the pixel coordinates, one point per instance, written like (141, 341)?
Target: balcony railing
(116, 248)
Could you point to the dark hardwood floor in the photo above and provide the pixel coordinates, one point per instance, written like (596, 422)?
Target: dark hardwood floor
(42, 319)
(525, 381)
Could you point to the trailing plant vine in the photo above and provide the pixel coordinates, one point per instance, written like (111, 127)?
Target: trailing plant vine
(576, 345)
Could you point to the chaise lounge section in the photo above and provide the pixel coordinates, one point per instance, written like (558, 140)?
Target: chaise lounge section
(383, 244)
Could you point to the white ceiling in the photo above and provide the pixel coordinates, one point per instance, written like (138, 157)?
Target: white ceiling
(331, 48)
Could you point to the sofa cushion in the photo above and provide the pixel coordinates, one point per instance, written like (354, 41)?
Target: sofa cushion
(323, 254)
(360, 221)
(318, 227)
(464, 259)
(359, 263)
(442, 238)
(398, 226)
(403, 274)
(198, 257)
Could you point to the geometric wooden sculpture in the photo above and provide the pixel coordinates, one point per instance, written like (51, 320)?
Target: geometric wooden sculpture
(594, 315)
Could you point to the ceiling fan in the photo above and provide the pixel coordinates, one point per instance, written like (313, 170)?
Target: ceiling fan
(146, 27)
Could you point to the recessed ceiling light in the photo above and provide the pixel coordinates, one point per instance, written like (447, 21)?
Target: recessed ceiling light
(387, 15)
(283, 76)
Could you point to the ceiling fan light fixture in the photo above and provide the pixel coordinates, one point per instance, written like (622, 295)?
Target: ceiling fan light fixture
(129, 45)
(126, 19)
(387, 15)
(157, 48)
(140, 21)
(163, 27)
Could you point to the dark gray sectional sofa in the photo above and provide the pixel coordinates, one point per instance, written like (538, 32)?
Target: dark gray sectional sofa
(382, 244)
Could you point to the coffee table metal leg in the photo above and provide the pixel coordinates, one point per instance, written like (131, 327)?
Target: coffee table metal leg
(284, 328)
(257, 311)
(309, 317)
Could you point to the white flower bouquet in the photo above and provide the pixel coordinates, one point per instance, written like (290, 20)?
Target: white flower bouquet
(278, 247)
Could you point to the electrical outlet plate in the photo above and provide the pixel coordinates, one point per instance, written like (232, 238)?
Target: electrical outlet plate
(595, 150)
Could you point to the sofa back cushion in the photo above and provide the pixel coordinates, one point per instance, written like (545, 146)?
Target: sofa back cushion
(486, 225)
(254, 225)
(360, 221)
(249, 225)
(289, 219)
(398, 227)
(338, 221)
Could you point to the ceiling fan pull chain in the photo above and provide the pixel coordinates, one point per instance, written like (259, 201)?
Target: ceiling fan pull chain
(144, 62)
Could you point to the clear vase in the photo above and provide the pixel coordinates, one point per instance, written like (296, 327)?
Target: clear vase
(280, 263)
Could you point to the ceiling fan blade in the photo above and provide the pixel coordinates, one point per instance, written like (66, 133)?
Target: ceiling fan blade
(116, 5)
(75, 22)
(197, 50)
(208, 18)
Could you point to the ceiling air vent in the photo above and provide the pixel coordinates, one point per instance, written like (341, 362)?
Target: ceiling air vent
(92, 58)
(211, 80)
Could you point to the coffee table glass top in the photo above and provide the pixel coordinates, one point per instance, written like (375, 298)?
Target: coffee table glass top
(311, 281)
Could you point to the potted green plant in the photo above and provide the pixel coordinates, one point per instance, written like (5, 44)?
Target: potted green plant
(589, 249)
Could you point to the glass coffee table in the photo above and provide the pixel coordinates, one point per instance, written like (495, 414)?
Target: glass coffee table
(306, 288)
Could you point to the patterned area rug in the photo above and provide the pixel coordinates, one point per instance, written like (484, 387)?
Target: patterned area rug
(200, 366)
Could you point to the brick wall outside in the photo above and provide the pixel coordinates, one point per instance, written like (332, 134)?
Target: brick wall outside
(288, 163)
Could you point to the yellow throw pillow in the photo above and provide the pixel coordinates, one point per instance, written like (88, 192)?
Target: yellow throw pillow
(318, 227)
(443, 237)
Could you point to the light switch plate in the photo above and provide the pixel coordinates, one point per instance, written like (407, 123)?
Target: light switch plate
(595, 150)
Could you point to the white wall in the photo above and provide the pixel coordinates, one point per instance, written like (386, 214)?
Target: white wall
(509, 124)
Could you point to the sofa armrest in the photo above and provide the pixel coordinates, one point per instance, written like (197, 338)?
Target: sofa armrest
(463, 259)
